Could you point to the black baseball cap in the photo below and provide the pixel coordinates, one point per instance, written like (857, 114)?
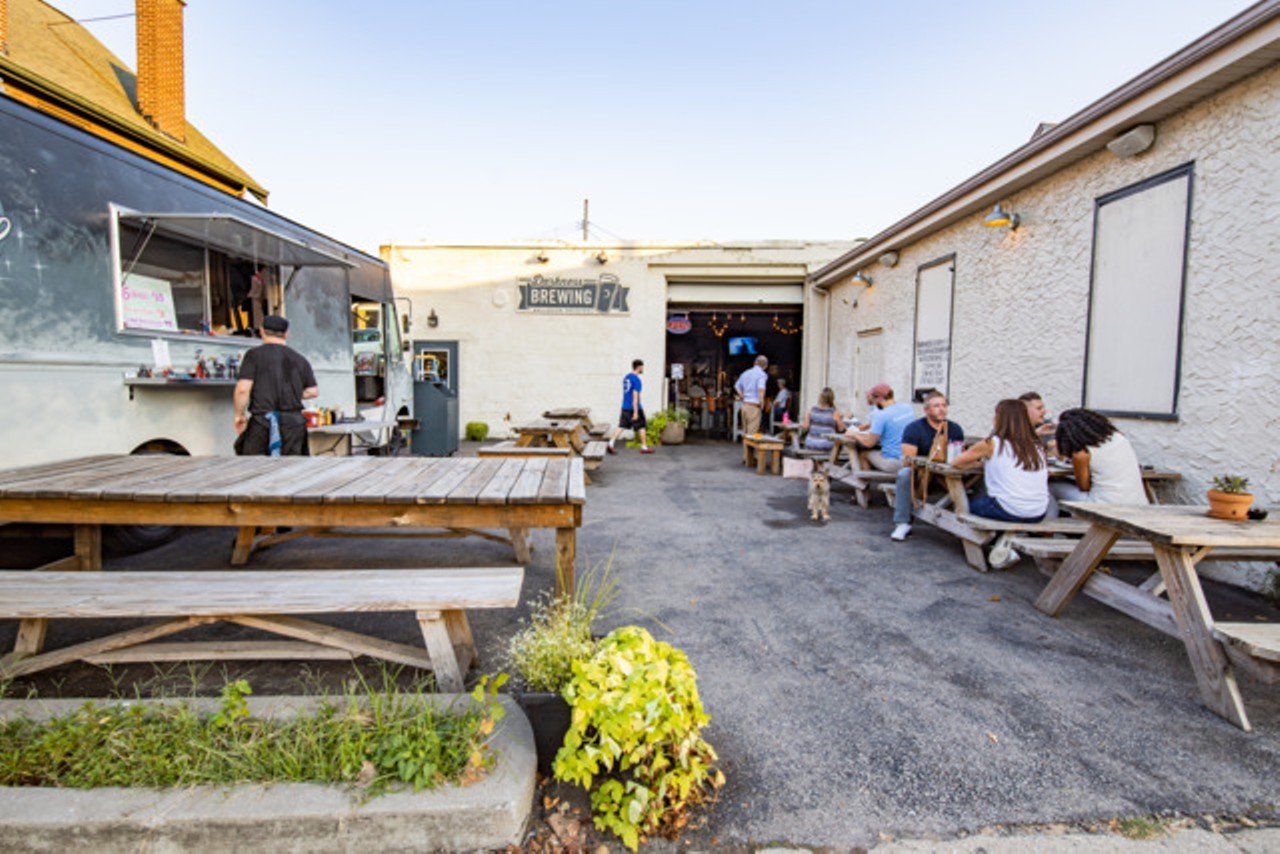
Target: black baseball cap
(275, 323)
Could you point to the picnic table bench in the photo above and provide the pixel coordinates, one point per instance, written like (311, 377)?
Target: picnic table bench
(264, 600)
(976, 533)
(554, 432)
(755, 450)
(326, 496)
(1180, 537)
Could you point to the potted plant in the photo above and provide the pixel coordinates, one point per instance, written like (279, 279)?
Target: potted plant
(1229, 499)
(635, 737)
(477, 431)
(677, 420)
(557, 633)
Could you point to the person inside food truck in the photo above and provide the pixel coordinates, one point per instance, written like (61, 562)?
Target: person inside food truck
(274, 379)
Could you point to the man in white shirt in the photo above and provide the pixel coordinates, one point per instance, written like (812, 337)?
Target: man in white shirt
(750, 390)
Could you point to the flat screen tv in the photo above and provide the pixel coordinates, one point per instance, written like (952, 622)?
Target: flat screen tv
(744, 345)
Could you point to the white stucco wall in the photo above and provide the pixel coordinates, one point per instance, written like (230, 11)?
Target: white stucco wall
(1021, 297)
(514, 365)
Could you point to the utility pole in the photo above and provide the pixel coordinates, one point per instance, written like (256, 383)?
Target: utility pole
(586, 206)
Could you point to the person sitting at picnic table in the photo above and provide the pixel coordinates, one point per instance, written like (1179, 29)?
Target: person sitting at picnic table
(927, 437)
(1014, 469)
(820, 421)
(1040, 421)
(1105, 464)
(781, 401)
(887, 424)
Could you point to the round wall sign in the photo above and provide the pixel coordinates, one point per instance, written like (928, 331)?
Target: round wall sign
(679, 325)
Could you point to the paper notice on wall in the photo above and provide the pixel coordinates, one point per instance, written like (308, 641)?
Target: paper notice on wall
(148, 303)
(160, 357)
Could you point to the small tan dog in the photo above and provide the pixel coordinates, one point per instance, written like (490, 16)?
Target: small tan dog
(819, 493)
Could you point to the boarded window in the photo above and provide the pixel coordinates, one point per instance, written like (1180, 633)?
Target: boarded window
(934, 285)
(1135, 302)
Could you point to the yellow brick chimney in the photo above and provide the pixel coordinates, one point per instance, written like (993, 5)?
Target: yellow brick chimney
(161, 87)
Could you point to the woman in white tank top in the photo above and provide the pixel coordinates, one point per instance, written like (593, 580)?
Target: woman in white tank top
(1014, 468)
(1106, 467)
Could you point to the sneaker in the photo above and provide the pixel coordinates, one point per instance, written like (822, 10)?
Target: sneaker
(1003, 557)
(610, 448)
(900, 532)
(646, 450)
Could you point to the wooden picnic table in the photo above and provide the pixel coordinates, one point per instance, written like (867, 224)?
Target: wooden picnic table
(951, 511)
(553, 432)
(325, 496)
(1181, 536)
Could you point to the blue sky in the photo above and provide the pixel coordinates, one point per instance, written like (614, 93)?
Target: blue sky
(471, 120)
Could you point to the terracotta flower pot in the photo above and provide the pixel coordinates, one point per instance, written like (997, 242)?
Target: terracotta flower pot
(1229, 505)
(673, 433)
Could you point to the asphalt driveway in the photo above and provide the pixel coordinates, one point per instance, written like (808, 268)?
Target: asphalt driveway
(856, 685)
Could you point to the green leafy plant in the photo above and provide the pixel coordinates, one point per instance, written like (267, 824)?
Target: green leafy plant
(635, 737)
(477, 431)
(559, 631)
(1231, 483)
(373, 738)
(657, 422)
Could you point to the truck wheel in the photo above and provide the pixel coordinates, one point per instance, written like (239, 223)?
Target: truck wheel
(131, 539)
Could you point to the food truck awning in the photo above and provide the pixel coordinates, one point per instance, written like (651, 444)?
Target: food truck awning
(236, 237)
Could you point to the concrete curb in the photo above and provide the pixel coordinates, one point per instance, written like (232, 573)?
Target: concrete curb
(287, 817)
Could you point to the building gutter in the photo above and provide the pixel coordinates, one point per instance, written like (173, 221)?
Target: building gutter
(1153, 95)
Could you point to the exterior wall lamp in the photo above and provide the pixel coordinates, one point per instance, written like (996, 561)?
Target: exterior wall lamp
(889, 259)
(860, 278)
(999, 219)
(602, 257)
(433, 319)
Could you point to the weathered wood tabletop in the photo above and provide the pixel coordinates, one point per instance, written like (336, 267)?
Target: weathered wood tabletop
(315, 496)
(1181, 536)
(555, 432)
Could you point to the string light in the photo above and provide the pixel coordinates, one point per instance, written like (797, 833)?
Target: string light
(718, 329)
(787, 327)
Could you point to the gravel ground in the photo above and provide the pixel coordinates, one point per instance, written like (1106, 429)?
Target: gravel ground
(860, 689)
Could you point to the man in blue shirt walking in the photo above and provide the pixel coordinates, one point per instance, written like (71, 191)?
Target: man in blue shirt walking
(632, 417)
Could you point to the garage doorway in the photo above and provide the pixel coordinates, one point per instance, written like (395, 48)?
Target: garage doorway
(708, 346)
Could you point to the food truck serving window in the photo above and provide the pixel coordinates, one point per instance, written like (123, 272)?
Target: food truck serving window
(206, 274)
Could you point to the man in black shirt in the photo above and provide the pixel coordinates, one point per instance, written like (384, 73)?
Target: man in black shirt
(273, 382)
(926, 437)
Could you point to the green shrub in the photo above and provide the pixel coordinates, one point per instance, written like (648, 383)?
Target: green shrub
(543, 653)
(635, 736)
(657, 422)
(559, 631)
(477, 431)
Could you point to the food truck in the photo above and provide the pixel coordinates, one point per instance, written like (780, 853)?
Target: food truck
(130, 291)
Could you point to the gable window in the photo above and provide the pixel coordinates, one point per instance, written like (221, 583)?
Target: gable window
(1134, 341)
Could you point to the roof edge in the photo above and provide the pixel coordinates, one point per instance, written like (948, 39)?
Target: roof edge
(83, 106)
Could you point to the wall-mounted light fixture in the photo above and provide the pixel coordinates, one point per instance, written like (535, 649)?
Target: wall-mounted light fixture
(1134, 141)
(602, 257)
(542, 257)
(860, 278)
(433, 319)
(889, 259)
(999, 219)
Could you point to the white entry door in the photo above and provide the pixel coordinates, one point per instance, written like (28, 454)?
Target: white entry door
(868, 365)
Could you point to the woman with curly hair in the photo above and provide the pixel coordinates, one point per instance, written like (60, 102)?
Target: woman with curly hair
(1106, 467)
(1014, 468)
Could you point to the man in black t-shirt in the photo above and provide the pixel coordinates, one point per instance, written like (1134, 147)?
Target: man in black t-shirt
(273, 382)
(918, 439)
